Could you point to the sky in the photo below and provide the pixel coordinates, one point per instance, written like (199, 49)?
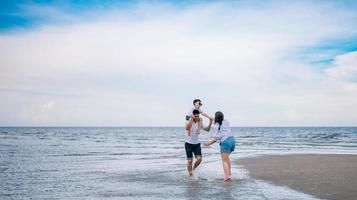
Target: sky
(141, 63)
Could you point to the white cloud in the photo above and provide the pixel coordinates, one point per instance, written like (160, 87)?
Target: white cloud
(144, 65)
(346, 67)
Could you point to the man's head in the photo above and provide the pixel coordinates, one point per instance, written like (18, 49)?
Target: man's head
(197, 103)
(196, 114)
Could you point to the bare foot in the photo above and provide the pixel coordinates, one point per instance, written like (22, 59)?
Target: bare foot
(227, 179)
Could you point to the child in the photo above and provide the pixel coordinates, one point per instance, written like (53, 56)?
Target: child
(196, 106)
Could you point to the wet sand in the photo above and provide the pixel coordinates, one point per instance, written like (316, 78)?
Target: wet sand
(324, 176)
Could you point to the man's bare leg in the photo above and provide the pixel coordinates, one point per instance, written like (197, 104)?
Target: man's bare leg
(197, 162)
(189, 166)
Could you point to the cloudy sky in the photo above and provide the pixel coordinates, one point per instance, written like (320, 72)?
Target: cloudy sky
(141, 63)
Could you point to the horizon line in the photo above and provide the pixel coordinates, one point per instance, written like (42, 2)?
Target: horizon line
(303, 126)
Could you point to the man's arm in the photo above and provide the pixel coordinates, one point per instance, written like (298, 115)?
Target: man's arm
(200, 125)
(208, 128)
(189, 126)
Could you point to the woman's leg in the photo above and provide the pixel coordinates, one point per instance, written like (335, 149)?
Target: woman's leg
(229, 164)
(226, 165)
(231, 150)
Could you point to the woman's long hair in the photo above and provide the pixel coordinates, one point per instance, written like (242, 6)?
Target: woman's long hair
(218, 118)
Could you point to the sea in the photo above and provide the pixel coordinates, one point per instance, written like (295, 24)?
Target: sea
(149, 162)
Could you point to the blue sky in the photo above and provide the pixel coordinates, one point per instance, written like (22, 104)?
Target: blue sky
(140, 63)
(14, 14)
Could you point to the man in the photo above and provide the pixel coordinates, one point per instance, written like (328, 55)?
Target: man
(192, 143)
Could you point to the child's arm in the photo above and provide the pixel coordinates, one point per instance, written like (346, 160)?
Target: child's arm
(205, 114)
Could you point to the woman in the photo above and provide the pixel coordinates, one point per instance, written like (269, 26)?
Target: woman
(223, 134)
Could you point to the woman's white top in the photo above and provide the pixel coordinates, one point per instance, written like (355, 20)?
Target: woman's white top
(224, 132)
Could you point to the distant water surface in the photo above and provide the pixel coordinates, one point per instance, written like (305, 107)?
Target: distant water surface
(143, 163)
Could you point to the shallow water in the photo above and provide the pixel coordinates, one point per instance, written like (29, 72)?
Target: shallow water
(142, 163)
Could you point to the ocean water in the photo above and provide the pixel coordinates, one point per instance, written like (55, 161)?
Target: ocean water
(147, 163)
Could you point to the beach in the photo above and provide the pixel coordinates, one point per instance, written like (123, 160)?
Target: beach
(150, 163)
(326, 176)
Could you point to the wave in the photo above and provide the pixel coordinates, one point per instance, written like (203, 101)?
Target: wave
(329, 136)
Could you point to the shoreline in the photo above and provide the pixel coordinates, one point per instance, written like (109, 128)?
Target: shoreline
(326, 176)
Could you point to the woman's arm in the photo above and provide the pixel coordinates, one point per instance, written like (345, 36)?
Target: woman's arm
(209, 142)
(216, 137)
